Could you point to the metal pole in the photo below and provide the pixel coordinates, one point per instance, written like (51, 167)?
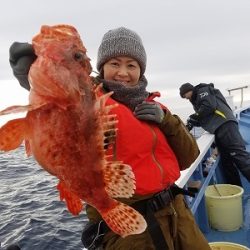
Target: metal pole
(241, 89)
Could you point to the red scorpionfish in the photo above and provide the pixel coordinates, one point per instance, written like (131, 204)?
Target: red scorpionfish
(64, 129)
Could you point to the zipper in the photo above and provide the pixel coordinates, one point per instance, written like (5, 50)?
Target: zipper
(153, 153)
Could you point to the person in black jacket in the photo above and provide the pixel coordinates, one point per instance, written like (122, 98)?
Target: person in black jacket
(213, 114)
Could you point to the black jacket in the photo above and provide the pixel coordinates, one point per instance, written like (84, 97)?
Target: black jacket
(211, 107)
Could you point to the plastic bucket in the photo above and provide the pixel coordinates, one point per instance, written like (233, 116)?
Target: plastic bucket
(226, 246)
(224, 206)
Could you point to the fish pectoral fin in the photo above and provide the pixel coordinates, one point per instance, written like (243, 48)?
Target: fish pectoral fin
(73, 202)
(12, 134)
(119, 179)
(124, 220)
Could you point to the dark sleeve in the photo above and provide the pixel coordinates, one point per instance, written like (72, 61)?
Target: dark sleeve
(206, 102)
(180, 140)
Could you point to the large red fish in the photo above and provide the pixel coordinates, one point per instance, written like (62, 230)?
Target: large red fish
(64, 129)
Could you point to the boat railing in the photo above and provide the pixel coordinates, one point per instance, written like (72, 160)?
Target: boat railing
(202, 172)
(241, 93)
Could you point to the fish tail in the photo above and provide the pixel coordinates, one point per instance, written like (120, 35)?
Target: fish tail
(12, 134)
(124, 220)
(73, 202)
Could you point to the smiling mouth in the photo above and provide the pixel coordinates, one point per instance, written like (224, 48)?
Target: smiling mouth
(121, 80)
(125, 83)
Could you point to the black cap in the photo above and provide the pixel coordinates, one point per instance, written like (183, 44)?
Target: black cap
(184, 88)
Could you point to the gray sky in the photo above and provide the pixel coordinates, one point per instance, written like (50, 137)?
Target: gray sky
(186, 40)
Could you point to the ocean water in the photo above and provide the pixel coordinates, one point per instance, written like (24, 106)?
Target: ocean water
(31, 213)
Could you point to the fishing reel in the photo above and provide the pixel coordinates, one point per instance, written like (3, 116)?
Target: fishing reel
(189, 125)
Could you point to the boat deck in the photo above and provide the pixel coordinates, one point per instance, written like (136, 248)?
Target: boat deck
(214, 176)
(242, 235)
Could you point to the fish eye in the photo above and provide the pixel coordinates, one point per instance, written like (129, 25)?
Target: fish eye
(79, 56)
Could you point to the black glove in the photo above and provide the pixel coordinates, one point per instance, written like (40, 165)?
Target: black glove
(21, 56)
(149, 111)
(194, 117)
(192, 121)
(189, 125)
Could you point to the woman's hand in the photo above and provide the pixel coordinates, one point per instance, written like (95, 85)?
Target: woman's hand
(149, 111)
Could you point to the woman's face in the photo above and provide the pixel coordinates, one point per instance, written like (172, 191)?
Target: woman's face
(123, 69)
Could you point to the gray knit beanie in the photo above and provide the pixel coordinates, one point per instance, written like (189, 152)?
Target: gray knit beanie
(121, 42)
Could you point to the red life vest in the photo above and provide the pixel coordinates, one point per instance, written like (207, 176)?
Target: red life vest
(144, 147)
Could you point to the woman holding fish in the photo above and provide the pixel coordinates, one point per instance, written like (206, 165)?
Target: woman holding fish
(148, 138)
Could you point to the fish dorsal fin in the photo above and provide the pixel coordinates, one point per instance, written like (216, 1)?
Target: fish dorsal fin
(107, 121)
(119, 179)
(101, 100)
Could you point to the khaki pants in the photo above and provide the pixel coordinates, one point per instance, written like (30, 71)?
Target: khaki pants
(177, 224)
